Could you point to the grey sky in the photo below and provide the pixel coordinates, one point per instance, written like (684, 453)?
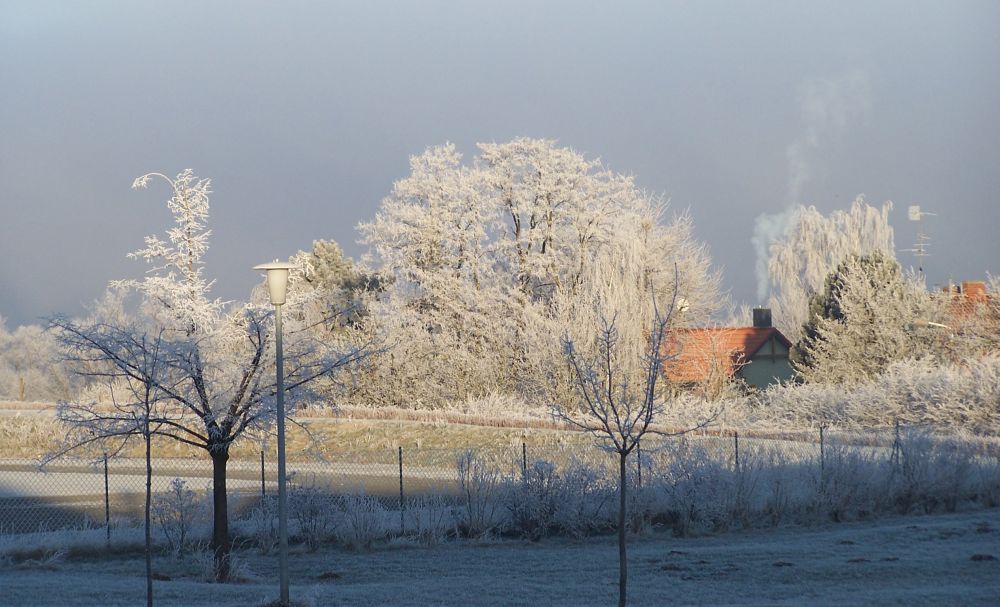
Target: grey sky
(303, 115)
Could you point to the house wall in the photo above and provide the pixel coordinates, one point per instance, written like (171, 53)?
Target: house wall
(768, 366)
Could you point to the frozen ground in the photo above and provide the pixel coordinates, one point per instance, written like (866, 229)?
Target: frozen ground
(929, 560)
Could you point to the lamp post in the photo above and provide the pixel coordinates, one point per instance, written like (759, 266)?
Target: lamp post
(277, 281)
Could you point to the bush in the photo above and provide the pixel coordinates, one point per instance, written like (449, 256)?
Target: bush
(929, 473)
(533, 500)
(482, 489)
(362, 521)
(314, 512)
(263, 522)
(584, 499)
(176, 512)
(849, 484)
(691, 489)
(430, 518)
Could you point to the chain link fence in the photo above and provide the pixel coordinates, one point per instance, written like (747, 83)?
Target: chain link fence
(109, 493)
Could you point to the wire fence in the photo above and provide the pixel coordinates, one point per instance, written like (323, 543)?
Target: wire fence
(109, 493)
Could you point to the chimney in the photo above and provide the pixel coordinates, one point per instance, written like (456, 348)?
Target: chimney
(762, 318)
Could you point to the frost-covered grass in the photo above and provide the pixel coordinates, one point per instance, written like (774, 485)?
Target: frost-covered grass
(917, 560)
(701, 525)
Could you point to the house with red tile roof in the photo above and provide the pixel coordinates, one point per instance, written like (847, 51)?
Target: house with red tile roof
(971, 310)
(708, 356)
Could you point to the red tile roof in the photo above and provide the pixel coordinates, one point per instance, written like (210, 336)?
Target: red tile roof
(702, 353)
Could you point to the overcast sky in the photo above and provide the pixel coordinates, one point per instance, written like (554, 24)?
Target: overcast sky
(303, 114)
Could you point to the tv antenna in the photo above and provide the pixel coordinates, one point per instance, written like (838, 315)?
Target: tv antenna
(919, 249)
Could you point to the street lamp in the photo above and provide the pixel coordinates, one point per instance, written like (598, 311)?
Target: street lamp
(277, 281)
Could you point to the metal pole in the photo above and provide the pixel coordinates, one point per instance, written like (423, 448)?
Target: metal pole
(524, 460)
(896, 447)
(263, 487)
(107, 504)
(638, 462)
(402, 502)
(822, 451)
(736, 445)
(282, 488)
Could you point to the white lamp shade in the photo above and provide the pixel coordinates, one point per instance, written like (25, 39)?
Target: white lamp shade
(277, 280)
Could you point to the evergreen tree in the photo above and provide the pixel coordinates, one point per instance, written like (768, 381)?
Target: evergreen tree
(862, 321)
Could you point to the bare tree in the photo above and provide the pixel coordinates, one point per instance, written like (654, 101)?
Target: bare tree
(136, 408)
(217, 380)
(620, 400)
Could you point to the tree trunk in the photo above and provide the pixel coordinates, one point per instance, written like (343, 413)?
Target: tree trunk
(220, 513)
(622, 563)
(149, 536)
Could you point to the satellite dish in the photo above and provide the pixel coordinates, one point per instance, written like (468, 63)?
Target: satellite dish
(913, 213)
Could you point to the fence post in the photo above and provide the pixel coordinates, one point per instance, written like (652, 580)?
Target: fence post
(822, 449)
(736, 445)
(107, 505)
(524, 460)
(896, 447)
(263, 487)
(638, 460)
(402, 502)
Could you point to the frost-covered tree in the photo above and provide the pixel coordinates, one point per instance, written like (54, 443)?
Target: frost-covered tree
(812, 246)
(863, 320)
(218, 366)
(28, 366)
(616, 378)
(134, 365)
(346, 290)
(490, 260)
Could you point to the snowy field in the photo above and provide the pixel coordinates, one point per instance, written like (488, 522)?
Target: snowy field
(917, 560)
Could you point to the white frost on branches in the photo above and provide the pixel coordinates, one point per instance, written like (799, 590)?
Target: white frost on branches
(811, 246)
(214, 363)
(492, 261)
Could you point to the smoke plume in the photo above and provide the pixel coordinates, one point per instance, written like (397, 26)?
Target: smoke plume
(827, 107)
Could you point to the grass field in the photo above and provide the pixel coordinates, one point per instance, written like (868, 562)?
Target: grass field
(938, 560)
(30, 431)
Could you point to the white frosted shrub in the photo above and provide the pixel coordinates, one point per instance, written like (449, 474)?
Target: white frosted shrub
(961, 396)
(430, 518)
(263, 524)
(848, 485)
(744, 498)
(585, 503)
(986, 482)
(482, 489)
(314, 512)
(932, 473)
(363, 521)
(694, 488)
(532, 500)
(573, 499)
(177, 512)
